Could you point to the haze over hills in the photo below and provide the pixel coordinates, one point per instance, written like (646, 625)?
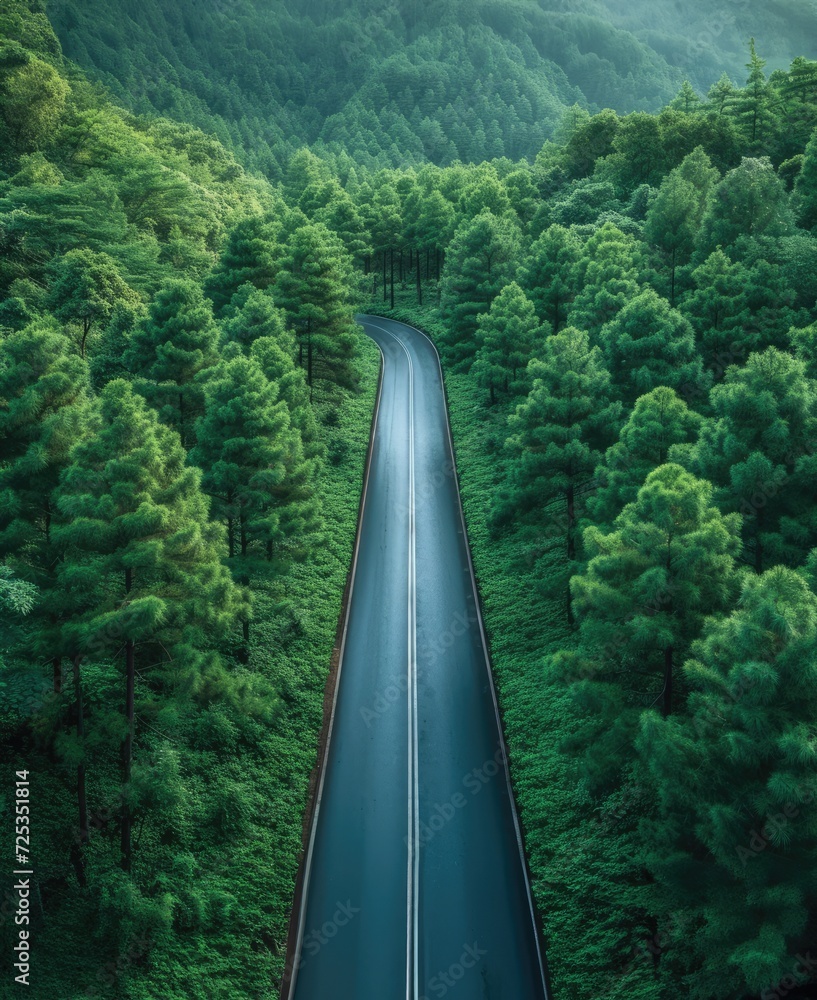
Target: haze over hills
(413, 81)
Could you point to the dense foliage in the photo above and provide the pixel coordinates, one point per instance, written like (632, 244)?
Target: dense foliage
(375, 84)
(628, 321)
(177, 508)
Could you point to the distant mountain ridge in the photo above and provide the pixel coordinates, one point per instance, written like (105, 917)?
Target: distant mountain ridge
(405, 83)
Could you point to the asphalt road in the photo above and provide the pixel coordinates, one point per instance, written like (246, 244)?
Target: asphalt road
(415, 883)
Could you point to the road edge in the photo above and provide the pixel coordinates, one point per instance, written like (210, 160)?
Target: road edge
(534, 909)
(330, 698)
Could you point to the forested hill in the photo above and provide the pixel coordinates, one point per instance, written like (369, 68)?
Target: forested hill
(401, 83)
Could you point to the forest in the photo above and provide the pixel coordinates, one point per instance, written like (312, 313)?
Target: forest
(625, 301)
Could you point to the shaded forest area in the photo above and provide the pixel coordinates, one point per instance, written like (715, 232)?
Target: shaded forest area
(628, 324)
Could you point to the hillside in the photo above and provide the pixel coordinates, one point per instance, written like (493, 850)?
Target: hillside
(408, 82)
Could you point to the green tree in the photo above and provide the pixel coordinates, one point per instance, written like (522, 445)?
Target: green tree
(254, 468)
(253, 315)
(650, 344)
(763, 425)
(32, 98)
(607, 277)
(144, 558)
(548, 274)
(674, 217)
(85, 289)
(735, 826)
(176, 340)
(805, 187)
(659, 420)
(250, 255)
(480, 262)
(752, 201)
(317, 290)
(557, 433)
(509, 335)
(44, 398)
(649, 583)
(752, 105)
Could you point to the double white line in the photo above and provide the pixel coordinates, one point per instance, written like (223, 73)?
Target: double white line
(413, 839)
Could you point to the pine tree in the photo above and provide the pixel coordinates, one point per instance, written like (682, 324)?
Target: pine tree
(805, 188)
(250, 255)
(557, 433)
(670, 224)
(142, 559)
(721, 95)
(717, 307)
(275, 358)
(659, 420)
(479, 263)
(763, 427)
(176, 340)
(509, 335)
(649, 583)
(252, 459)
(751, 201)
(253, 315)
(735, 836)
(687, 100)
(753, 104)
(548, 274)
(317, 290)
(650, 344)
(607, 278)
(85, 289)
(44, 398)
(675, 216)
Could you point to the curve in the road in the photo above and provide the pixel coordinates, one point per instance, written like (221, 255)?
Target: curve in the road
(414, 813)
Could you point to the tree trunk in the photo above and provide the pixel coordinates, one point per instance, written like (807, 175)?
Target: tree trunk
(385, 284)
(309, 364)
(672, 280)
(419, 285)
(400, 267)
(57, 664)
(428, 263)
(437, 251)
(82, 802)
(571, 546)
(392, 278)
(86, 329)
(127, 750)
(181, 419)
(666, 705)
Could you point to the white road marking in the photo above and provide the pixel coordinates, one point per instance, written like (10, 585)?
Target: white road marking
(413, 858)
(484, 638)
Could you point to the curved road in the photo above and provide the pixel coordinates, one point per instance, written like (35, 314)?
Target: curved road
(415, 886)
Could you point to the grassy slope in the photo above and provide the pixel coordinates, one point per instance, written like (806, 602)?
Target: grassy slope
(584, 881)
(228, 940)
